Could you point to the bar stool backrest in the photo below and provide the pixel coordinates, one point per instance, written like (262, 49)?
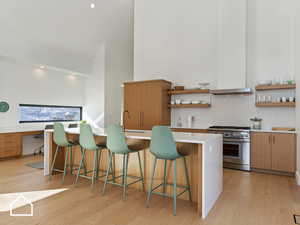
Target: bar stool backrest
(60, 137)
(86, 137)
(116, 141)
(162, 144)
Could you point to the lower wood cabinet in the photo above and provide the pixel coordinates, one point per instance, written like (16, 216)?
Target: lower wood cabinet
(273, 151)
(10, 145)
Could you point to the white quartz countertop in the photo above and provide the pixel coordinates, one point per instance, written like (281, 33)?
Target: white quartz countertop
(27, 128)
(20, 129)
(196, 138)
(253, 130)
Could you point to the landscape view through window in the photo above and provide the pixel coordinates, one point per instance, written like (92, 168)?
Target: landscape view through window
(38, 113)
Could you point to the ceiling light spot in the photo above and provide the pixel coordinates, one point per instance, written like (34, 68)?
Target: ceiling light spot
(93, 5)
(42, 67)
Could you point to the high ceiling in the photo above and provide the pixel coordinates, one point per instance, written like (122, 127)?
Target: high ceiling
(59, 33)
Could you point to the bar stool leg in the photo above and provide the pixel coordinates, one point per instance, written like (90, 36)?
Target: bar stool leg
(53, 163)
(125, 177)
(80, 165)
(71, 160)
(66, 164)
(123, 171)
(84, 163)
(95, 168)
(151, 183)
(174, 187)
(113, 166)
(107, 172)
(98, 164)
(165, 177)
(187, 179)
(141, 171)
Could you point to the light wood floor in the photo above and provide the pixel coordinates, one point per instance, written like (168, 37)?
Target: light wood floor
(248, 198)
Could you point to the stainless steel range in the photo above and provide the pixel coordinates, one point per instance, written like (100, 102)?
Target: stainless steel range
(236, 146)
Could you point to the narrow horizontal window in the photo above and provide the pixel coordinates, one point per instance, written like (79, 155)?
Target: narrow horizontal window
(49, 113)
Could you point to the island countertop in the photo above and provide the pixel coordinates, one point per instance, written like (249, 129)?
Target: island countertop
(196, 138)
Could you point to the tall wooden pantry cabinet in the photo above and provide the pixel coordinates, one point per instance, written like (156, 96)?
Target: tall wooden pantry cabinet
(146, 104)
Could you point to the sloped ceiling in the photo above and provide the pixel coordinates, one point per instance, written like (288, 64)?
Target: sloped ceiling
(60, 33)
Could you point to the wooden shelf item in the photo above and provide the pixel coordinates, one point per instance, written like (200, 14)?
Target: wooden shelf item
(189, 91)
(190, 106)
(276, 104)
(275, 87)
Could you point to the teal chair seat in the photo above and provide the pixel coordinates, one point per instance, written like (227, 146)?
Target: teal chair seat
(163, 147)
(116, 143)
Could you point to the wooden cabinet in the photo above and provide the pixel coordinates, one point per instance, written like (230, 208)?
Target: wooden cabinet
(146, 104)
(261, 150)
(273, 151)
(10, 145)
(284, 152)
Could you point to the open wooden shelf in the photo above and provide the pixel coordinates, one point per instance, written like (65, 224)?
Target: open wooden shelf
(276, 104)
(275, 87)
(190, 106)
(189, 91)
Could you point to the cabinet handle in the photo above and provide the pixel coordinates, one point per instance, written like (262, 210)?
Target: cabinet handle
(270, 139)
(273, 139)
(140, 120)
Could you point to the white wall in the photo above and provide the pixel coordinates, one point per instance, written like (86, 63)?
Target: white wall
(232, 25)
(118, 57)
(29, 85)
(94, 111)
(26, 84)
(297, 72)
(176, 40)
(179, 42)
(270, 40)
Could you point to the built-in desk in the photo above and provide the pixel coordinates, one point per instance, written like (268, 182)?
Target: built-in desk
(205, 162)
(11, 141)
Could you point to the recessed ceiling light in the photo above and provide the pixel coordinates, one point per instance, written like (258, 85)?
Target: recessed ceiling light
(42, 67)
(93, 5)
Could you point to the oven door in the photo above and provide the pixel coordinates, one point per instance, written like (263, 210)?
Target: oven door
(236, 152)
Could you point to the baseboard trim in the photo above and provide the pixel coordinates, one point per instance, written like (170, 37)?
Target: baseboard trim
(273, 172)
(298, 178)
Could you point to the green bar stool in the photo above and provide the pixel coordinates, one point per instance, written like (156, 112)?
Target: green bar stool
(163, 147)
(87, 143)
(60, 139)
(116, 143)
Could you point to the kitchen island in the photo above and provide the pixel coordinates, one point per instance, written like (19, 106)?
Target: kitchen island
(205, 162)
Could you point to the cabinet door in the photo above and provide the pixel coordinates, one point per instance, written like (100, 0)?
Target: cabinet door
(261, 146)
(151, 108)
(284, 152)
(132, 112)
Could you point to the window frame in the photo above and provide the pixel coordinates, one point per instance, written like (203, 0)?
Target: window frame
(50, 106)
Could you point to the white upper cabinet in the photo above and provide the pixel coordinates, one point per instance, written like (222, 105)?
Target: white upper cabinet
(232, 44)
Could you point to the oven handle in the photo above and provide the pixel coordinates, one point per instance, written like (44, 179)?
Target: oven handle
(236, 140)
